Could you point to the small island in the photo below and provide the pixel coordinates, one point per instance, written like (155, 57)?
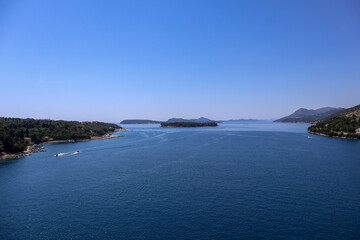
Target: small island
(189, 124)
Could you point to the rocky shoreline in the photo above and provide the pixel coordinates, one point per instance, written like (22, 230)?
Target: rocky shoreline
(29, 150)
(324, 135)
(39, 147)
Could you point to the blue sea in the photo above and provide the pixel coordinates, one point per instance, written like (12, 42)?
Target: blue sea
(250, 180)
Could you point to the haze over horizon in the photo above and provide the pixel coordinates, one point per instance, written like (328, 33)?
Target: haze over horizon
(115, 60)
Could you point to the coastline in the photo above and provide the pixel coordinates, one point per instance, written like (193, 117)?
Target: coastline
(39, 147)
(292, 122)
(324, 135)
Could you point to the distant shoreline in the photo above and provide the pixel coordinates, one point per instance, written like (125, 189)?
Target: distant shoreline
(39, 147)
(188, 124)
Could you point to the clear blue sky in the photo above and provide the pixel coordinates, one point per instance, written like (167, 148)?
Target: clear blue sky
(114, 60)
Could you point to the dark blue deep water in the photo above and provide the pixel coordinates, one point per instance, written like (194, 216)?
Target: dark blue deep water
(236, 181)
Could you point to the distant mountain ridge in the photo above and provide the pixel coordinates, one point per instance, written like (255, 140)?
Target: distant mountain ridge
(347, 112)
(188, 124)
(198, 120)
(309, 115)
(146, 121)
(242, 120)
(139, 121)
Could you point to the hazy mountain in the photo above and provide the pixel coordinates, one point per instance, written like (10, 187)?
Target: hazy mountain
(189, 124)
(348, 112)
(309, 115)
(242, 120)
(200, 120)
(139, 121)
(146, 121)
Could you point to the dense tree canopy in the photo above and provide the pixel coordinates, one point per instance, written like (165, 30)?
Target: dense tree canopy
(339, 126)
(14, 130)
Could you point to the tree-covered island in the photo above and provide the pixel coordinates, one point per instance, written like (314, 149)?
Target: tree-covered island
(189, 124)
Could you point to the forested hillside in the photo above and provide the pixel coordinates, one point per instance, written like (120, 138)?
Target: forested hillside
(344, 124)
(309, 115)
(14, 130)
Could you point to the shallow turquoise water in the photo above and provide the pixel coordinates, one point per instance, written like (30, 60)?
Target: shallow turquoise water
(237, 181)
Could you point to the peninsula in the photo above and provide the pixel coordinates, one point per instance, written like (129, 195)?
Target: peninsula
(343, 124)
(19, 137)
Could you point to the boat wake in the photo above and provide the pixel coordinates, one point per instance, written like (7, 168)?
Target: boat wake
(66, 154)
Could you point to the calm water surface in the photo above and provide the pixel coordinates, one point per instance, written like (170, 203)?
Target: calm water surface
(237, 181)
